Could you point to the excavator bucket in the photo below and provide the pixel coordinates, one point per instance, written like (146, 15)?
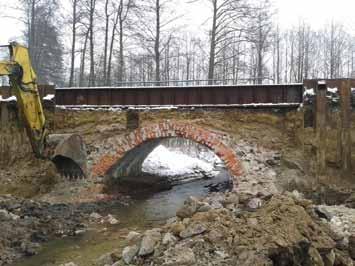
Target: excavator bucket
(69, 156)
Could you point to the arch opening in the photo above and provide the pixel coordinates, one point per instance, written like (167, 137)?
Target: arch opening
(165, 162)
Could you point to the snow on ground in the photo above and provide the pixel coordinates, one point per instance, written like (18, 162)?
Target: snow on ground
(332, 90)
(163, 162)
(309, 92)
(49, 97)
(12, 98)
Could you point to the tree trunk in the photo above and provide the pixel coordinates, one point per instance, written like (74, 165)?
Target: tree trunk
(91, 40)
(107, 18)
(121, 56)
(211, 64)
(157, 43)
(82, 63)
(71, 78)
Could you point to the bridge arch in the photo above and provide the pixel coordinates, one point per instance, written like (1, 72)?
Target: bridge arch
(167, 129)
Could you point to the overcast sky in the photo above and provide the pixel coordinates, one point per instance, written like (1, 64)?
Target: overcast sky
(316, 12)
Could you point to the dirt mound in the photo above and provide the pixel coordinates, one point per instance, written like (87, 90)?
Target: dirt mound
(222, 230)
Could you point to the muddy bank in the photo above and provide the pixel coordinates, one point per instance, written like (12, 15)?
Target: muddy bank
(27, 224)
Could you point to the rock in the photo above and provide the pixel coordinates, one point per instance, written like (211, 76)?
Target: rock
(352, 246)
(177, 228)
(205, 207)
(215, 204)
(254, 204)
(150, 239)
(68, 264)
(129, 253)
(315, 257)
(231, 198)
(272, 162)
(147, 246)
(108, 258)
(192, 230)
(297, 195)
(322, 212)
(169, 239)
(30, 249)
(179, 256)
(188, 209)
(214, 235)
(251, 258)
(171, 220)
(4, 215)
(79, 232)
(133, 237)
(111, 220)
(221, 254)
(350, 201)
(329, 258)
(95, 216)
(119, 263)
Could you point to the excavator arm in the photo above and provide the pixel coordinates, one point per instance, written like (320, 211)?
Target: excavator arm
(24, 85)
(67, 151)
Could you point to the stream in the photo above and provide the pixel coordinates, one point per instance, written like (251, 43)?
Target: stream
(147, 210)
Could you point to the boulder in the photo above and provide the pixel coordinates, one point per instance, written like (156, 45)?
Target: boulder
(104, 260)
(5, 215)
(150, 239)
(188, 209)
(179, 256)
(111, 220)
(322, 212)
(177, 228)
(205, 207)
(231, 198)
(129, 253)
(169, 239)
(254, 204)
(133, 237)
(193, 230)
(95, 216)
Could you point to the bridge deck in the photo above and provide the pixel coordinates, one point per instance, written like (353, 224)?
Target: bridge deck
(182, 96)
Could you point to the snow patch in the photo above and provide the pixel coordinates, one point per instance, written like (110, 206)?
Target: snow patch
(309, 92)
(176, 166)
(49, 97)
(170, 107)
(332, 90)
(10, 99)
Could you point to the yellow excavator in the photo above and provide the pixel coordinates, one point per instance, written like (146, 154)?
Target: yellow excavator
(67, 151)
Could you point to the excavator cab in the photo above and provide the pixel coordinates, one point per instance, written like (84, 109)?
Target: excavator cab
(67, 151)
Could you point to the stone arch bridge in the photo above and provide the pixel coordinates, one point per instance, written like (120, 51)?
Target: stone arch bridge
(118, 149)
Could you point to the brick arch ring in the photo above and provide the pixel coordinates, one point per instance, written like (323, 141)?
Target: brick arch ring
(167, 129)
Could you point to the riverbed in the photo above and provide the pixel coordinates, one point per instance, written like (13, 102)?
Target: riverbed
(146, 210)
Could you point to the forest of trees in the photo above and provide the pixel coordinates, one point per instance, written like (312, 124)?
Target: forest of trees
(110, 42)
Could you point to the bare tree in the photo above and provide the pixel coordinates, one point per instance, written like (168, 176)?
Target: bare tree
(43, 37)
(227, 18)
(91, 8)
(259, 33)
(74, 21)
(155, 39)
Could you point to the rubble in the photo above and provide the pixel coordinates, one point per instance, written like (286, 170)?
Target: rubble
(282, 231)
